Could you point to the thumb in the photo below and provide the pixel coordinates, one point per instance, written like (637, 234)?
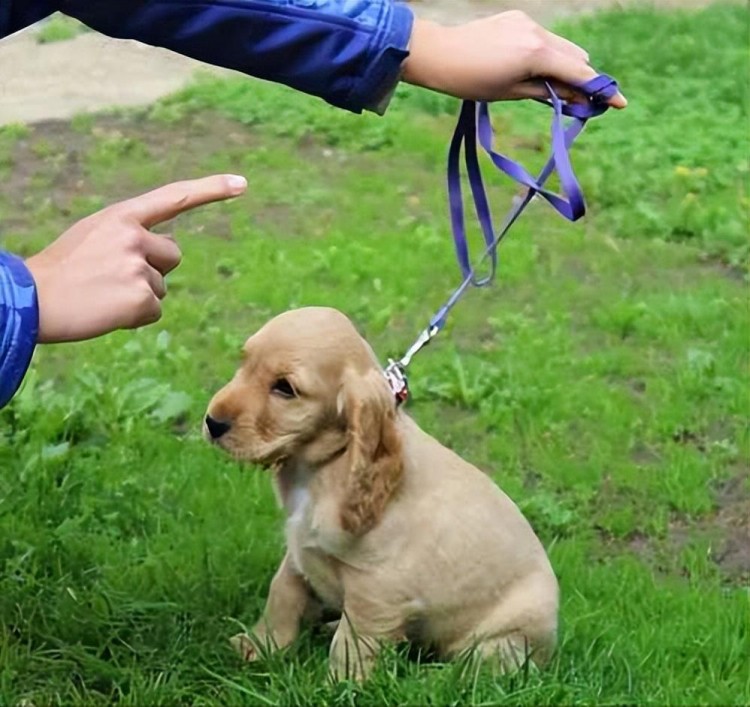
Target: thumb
(572, 72)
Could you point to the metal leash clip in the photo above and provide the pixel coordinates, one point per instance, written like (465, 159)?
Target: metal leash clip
(395, 372)
(396, 377)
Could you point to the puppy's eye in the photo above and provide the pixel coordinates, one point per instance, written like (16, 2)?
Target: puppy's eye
(283, 388)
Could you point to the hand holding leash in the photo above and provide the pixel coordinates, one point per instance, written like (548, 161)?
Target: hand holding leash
(507, 56)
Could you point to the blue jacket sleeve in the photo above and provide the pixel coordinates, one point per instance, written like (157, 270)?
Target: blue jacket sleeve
(17, 14)
(19, 324)
(348, 52)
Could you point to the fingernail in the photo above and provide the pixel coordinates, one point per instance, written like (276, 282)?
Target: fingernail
(236, 183)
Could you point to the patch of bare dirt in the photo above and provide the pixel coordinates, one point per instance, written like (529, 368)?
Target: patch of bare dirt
(733, 520)
(51, 163)
(727, 532)
(57, 166)
(544, 11)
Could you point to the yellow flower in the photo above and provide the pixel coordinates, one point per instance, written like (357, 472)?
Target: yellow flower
(682, 171)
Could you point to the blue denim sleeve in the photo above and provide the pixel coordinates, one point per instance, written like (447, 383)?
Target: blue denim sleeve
(19, 324)
(17, 14)
(348, 52)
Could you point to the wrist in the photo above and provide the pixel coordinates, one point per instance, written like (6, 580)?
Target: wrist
(428, 63)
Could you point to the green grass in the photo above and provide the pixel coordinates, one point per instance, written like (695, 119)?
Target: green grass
(602, 381)
(59, 28)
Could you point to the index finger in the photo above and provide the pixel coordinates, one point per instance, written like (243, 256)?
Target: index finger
(169, 201)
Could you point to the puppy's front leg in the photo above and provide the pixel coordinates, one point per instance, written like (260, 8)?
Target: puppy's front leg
(353, 652)
(288, 600)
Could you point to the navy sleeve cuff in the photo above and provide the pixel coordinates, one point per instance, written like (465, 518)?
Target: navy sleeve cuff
(19, 324)
(390, 47)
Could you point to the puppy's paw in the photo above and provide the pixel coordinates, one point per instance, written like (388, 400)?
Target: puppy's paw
(245, 648)
(351, 668)
(351, 658)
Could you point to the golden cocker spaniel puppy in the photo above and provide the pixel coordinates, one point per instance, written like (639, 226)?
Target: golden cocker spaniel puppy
(384, 524)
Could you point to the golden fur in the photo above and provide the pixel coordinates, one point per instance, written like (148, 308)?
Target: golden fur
(404, 538)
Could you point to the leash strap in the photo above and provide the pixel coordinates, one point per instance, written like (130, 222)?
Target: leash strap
(475, 127)
(474, 124)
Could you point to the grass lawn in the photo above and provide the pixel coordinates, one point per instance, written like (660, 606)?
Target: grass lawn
(603, 382)
(59, 28)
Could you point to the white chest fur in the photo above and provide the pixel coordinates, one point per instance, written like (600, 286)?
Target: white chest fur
(311, 540)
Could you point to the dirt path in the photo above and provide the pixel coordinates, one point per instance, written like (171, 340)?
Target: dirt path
(544, 11)
(92, 72)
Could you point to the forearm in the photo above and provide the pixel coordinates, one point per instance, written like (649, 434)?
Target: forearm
(348, 52)
(19, 324)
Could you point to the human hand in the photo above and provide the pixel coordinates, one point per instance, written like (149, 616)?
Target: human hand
(107, 272)
(499, 58)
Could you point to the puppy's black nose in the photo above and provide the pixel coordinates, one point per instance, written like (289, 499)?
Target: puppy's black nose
(215, 428)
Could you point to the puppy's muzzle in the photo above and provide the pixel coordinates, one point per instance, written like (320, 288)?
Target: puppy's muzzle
(216, 428)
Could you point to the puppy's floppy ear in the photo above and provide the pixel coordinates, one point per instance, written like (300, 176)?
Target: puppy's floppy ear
(374, 452)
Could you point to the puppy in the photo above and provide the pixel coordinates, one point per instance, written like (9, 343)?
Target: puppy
(386, 526)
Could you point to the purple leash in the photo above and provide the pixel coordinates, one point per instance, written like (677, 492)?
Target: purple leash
(474, 126)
